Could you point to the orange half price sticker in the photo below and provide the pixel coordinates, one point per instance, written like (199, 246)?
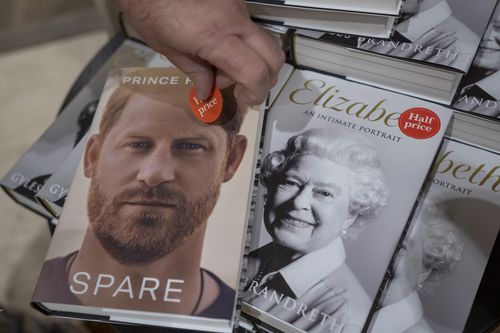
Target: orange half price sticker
(207, 110)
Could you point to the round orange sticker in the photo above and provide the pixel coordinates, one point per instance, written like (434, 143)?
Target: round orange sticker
(419, 123)
(207, 110)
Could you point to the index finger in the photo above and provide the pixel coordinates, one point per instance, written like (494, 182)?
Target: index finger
(242, 64)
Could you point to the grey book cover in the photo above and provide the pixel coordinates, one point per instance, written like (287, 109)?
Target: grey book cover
(437, 272)
(480, 88)
(342, 166)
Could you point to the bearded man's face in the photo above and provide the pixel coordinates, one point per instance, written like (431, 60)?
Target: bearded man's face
(155, 179)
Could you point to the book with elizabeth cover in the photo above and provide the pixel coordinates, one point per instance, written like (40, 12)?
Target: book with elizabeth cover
(152, 231)
(23, 181)
(342, 166)
(439, 281)
(432, 48)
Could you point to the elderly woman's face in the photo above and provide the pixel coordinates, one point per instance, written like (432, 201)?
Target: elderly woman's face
(488, 53)
(309, 205)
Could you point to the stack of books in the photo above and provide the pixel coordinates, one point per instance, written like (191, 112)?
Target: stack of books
(360, 17)
(362, 197)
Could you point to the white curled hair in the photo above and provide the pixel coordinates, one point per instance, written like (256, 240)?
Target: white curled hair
(442, 247)
(369, 190)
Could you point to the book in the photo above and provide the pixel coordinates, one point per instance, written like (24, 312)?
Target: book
(152, 230)
(436, 275)
(342, 166)
(23, 181)
(432, 48)
(386, 7)
(366, 18)
(479, 89)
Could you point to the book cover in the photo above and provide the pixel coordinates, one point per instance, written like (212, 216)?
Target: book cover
(436, 275)
(23, 181)
(480, 88)
(342, 166)
(152, 231)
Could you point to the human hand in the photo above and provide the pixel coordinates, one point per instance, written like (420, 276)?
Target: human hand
(212, 41)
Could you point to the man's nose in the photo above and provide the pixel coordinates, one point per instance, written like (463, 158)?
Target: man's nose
(157, 168)
(302, 199)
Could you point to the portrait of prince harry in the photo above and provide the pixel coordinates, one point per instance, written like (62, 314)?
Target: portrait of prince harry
(154, 177)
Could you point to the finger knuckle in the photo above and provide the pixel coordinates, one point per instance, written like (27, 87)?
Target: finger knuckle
(259, 72)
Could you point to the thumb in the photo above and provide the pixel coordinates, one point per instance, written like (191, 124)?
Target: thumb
(198, 71)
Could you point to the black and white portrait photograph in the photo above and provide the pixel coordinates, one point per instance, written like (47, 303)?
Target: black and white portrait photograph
(319, 190)
(333, 201)
(480, 91)
(442, 32)
(438, 269)
(440, 265)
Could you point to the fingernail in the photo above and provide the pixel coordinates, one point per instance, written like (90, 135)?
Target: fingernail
(201, 95)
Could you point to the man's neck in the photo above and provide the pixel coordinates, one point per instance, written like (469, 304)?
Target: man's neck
(169, 284)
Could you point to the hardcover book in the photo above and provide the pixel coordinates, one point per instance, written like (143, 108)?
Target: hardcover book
(480, 88)
(388, 7)
(438, 270)
(342, 166)
(36, 165)
(366, 18)
(153, 228)
(432, 48)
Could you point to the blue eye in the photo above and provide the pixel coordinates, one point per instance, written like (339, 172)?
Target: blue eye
(188, 146)
(140, 145)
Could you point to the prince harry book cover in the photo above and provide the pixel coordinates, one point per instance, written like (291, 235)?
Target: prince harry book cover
(152, 231)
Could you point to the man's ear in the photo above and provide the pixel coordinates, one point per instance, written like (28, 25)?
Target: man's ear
(234, 157)
(91, 156)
